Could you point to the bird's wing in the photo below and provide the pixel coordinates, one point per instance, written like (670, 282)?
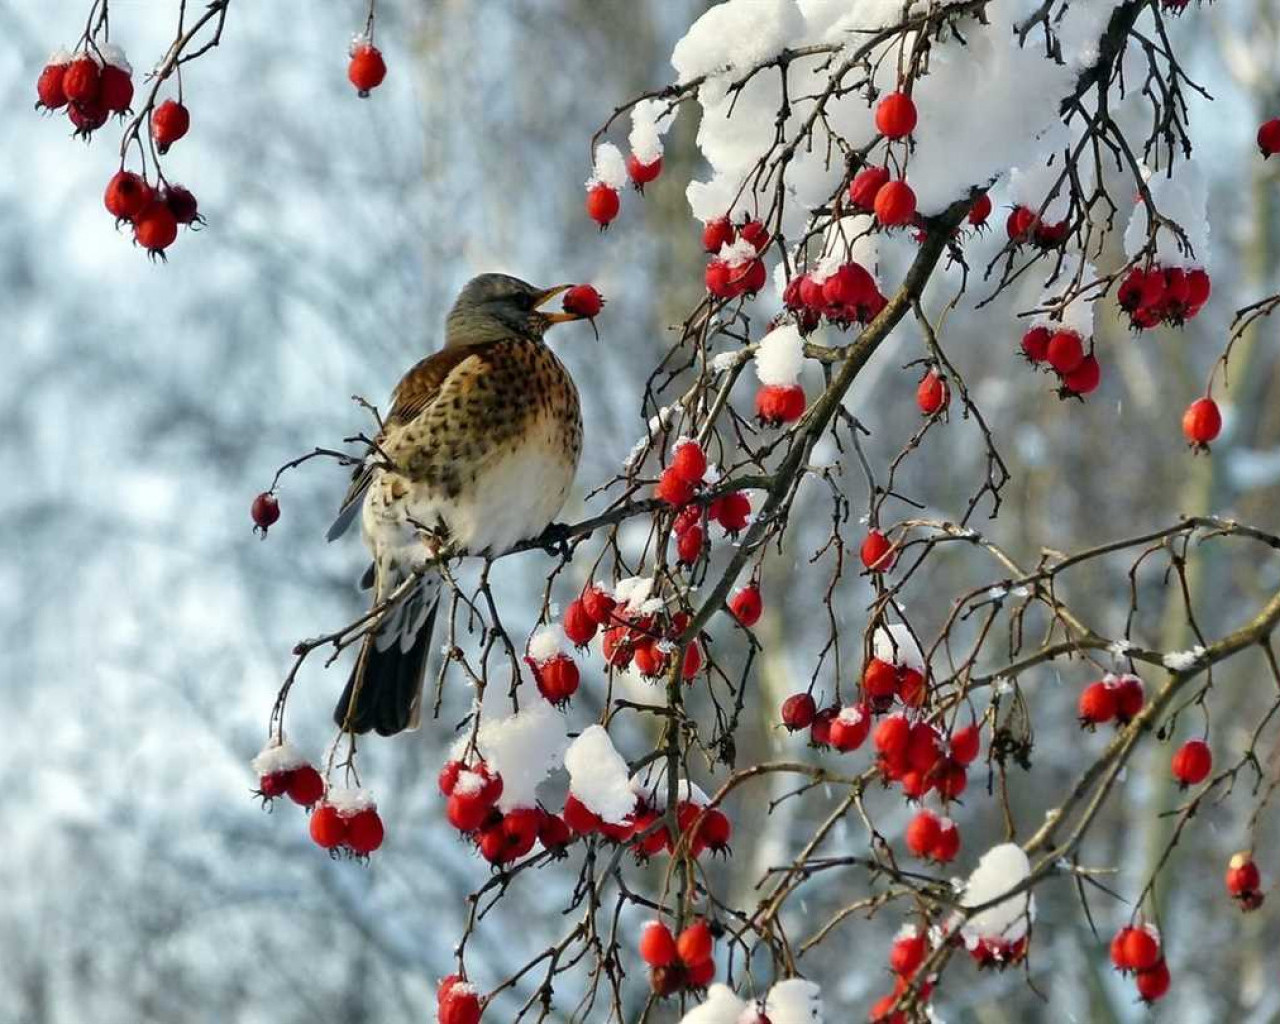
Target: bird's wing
(416, 391)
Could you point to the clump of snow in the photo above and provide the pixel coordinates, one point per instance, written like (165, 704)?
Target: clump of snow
(647, 129)
(610, 167)
(277, 757)
(794, 1001)
(114, 55)
(633, 592)
(780, 356)
(523, 748)
(59, 57)
(1120, 649)
(738, 253)
(1001, 868)
(1077, 315)
(348, 801)
(852, 715)
(735, 36)
(895, 644)
(651, 787)
(1184, 200)
(1180, 661)
(721, 1007)
(724, 361)
(469, 783)
(546, 643)
(598, 775)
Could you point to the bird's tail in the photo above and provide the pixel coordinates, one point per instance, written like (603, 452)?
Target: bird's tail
(384, 691)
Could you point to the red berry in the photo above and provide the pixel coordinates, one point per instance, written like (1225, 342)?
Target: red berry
(923, 748)
(553, 833)
(732, 511)
(557, 678)
(1154, 983)
(579, 626)
(879, 681)
(1202, 422)
(49, 87)
(692, 660)
(911, 689)
(305, 786)
(689, 461)
(1120, 950)
(1085, 378)
(1035, 344)
(777, 404)
(820, 730)
(876, 552)
(1141, 948)
(366, 69)
(460, 1005)
(328, 827)
(895, 115)
(1021, 224)
(908, 951)
(798, 711)
(932, 393)
(265, 510)
(364, 832)
(182, 204)
(1244, 881)
(448, 777)
(699, 975)
(87, 116)
(649, 659)
(1097, 704)
(602, 204)
(966, 744)
(746, 606)
(689, 545)
(891, 738)
(155, 229)
(1198, 287)
(673, 488)
(116, 89)
(1269, 137)
(895, 204)
(82, 80)
(866, 183)
(849, 729)
(922, 833)
(1192, 763)
(169, 122)
(583, 300)
(467, 811)
(642, 173)
(127, 195)
(715, 831)
(717, 234)
(274, 785)
(948, 843)
(1129, 697)
(1065, 352)
(598, 604)
(756, 233)
(580, 819)
(657, 945)
(981, 210)
(694, 946)
(521, 826)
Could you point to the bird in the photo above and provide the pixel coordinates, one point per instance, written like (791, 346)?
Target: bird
(477, 453)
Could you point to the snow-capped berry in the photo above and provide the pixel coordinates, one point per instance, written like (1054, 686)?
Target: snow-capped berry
(1035, 344)
(1244, 881)
(305, 786)
(265, 510)
(1065, 352)
(798, 711)
(603, 204)
(367, 68)
(127, 195)
(1192, 763)
(448, 776)
(1202, 422)
(583, 300)
(895, 115)
(328, 827)
(599, 604)
(657, 945)
(273, 785)
(756, 233)
(460, 1005)
(1153, 983)
(777, 404)
(1097, 704)
(820, 730)
(908, 951)
(1085, 378)
(82, 80)
(580, 819)
(947, 844)
(170, 121)
(673, 489)
(649, 659)
(116, 89)
(1269, 137)
(642, 173)
(981, 210)
(717, 234)
(579, 626)
(695, 944)
(689, 461)
(877, 552)
(895, 204)
(155, 229)
(719, 279)
(922, 833)
(849, 729)
(864, 186)
(182, 204)
(879, 681)
(746, 606)
(1141, 948)
(557, 678)
(364, 832)
(1130, 697)
(689, 544)
(732, 511)
(49, 86)
(932, 393)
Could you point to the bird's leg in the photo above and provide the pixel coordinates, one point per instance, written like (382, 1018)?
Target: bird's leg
(554, 540)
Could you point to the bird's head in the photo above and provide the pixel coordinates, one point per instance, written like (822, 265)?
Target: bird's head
(495, 306)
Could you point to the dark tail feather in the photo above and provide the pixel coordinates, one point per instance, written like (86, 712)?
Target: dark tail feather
(388, 698)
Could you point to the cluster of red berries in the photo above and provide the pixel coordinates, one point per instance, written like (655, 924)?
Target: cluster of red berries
(1111, 698)
(302, 784)
(909, 950)
(678, 964)
(1136, 950)
(603, 202)
(1244, 881)
(920, 758)
(91, 85)
(892, 201)
(457, 1001)
(933, 395)
(682, 478)
(933, 837)
(1202, 423)
(155, 212)
(1158, 295)
(473, 793)
(628, 638)
(1062, 351)
(366, 69)
(847, 295)
(996, 952)
(1269, 137)
(1024, 227)
(736, 266)
(701, 828)
(350, 826)
(264, 511)
(1192, 763)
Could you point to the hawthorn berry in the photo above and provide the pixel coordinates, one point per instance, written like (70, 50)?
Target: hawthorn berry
(367, 68)
(715, 831)
(673, 489)
(1269, 137)
(895, 115)
(732, 511)
(879, 681)
(699, 975)
(127, 195)
(116, 88)
(598, 604)
(82, 80)
(304, 785)
(1035, 344)
(182, 204)
(1141, 948)
(948, 843)
(87, 116)
(458, 1004)
(719, 279)
(265, 510)
(877, 552)
(467, 811)
(274, 784)
(777, 404)
(447, 779)
(579, 627)
(932, 393)
(895, 204)
(1192, 763)
(1097, 704)
(557, 678)
(580, 818)
(756, 233)
(1244, 881)
(1065, 352)
(1084, 379)
(328, 827)
(695, 944)
(689, 461)
(891, 738)
(1153, 983)
(908, 951)
(820, 730)
(50, 88)
(966, 744)
(1120, 950)
(746, 606)
(717, 234)
(364, 832)
(923, 748)
(1199, 287)
(922, 833)
(981, 210)
(583, 300)
(849, 729)
(1130, 696)
(553, 833)
(865, 185)
(649, 659)
(170, 121)
(690, 544)
(657, 945)
(798, 711)
(1021, 224)
(155, 229)
(603, 204)
(642, 173)
(1202, 422)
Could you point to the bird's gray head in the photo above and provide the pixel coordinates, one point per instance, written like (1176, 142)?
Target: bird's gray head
(496, 306)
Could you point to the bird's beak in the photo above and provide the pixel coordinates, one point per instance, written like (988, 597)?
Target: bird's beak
(547, 296)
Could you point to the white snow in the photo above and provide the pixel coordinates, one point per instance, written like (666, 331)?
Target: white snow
(735, 36)
(349, 800)
(277, 757)
(647, 128)
(59, 56)
(523, 748)
(633, 592)
(598, 775)
(1120, 649)
(780, 356)
(895, 644)
(1078, 314)
(114, 55)
(469, 783)
(1180, 661)
(610, 167)
(1001, 868)
(794, 1001)
(721, 1007)
(852, 715)
(651, 787)
(725, 361)
(1182, 198)
(738, 252)
(546, 643)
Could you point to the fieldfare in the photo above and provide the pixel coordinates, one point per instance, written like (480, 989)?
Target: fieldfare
(477, 453)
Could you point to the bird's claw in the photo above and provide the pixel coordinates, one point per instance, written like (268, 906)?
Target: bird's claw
(555, 540)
